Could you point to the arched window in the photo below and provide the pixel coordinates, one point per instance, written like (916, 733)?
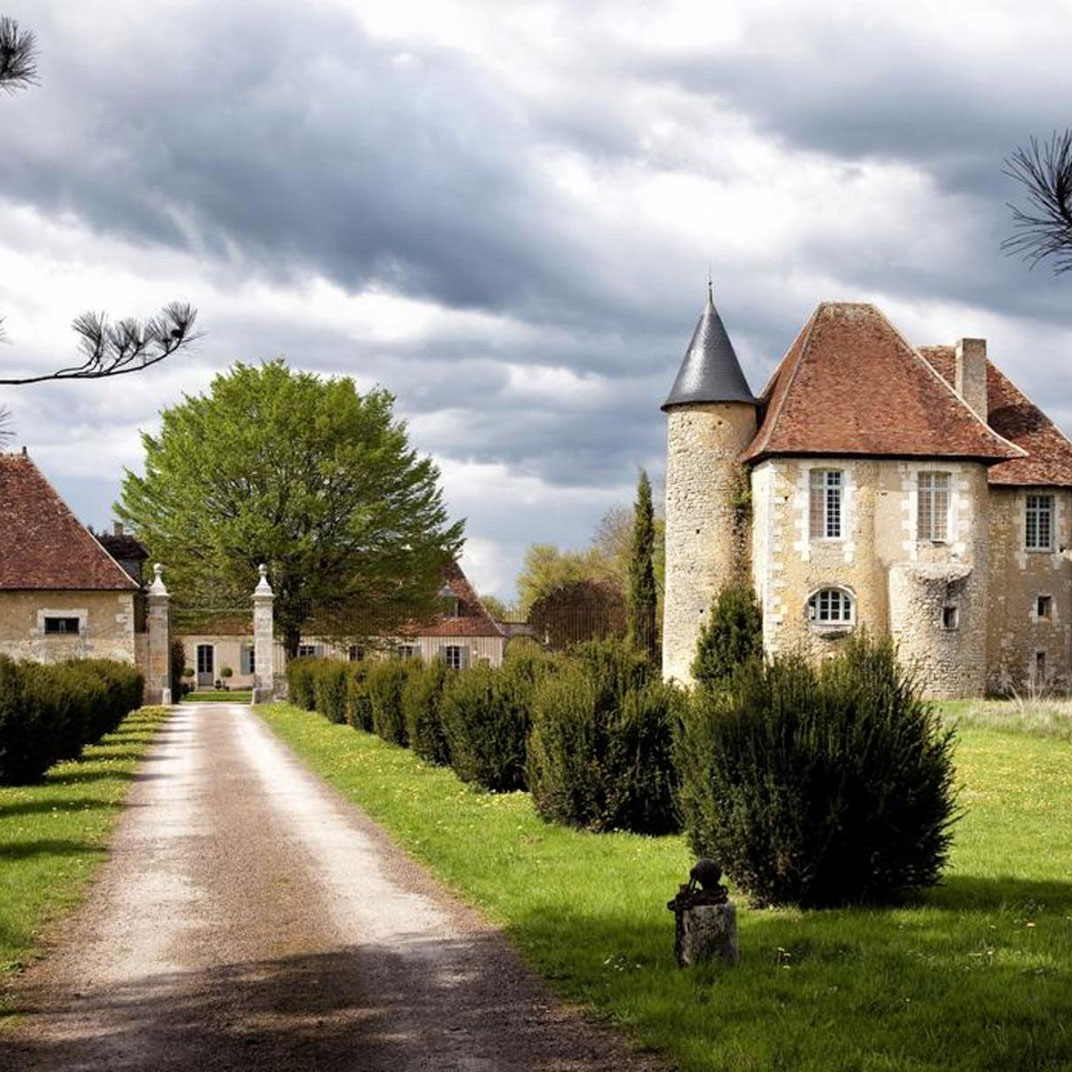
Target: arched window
(832, 606)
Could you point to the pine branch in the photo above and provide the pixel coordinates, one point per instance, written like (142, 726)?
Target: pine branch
(1044, 227)
(18, 56)
(125, 346)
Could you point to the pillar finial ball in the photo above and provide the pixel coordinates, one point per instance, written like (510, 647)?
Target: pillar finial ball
(263, 570)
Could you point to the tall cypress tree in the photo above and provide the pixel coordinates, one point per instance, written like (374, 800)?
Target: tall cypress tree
(642, 596)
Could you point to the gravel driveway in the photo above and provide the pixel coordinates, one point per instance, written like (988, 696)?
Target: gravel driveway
(249, 918)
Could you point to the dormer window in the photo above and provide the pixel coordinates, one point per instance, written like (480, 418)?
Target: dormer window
(825, 504)
(932, 514)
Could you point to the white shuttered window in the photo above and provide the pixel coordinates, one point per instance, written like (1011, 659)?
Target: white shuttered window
(933, 512)
(825, 504)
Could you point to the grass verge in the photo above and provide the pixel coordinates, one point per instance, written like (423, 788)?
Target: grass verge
(976, 975)
(1035, 716)
(218, 696)
(54, 835)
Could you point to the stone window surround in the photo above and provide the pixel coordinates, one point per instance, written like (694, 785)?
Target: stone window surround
(81, 613)
(825, 488)
(934, 491)
(1050, 547)
(831, 628)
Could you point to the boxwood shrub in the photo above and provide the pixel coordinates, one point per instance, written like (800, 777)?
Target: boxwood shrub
(421, 700)
(819, 785)
(600, 754)
(385, 682)
(49, 712)
(485, 722)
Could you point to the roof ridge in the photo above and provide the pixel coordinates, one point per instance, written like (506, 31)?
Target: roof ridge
(771, 418)
(1020, 452)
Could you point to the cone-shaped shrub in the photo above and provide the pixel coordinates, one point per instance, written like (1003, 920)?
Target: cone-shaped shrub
(358, 703)
(819, 786)
(385, 683)
(421, 700)
(485, 721)
(600, 753)
(27, 745)
(329, 689)
(732, 635)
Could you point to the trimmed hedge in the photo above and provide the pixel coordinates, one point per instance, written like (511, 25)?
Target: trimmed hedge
(600, 755)
(819, 785)
(421, 700)
(485, 720)
(329, 690)
(358, 703)
(50, 712)
(385, 683)
(301, 682)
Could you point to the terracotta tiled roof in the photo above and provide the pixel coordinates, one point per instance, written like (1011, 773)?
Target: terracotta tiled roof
(851, 384)
(473, 620)
(1013, 415)
(44, 545)
(1016, 417)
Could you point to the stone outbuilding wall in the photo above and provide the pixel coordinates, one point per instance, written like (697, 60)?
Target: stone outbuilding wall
(106, 625)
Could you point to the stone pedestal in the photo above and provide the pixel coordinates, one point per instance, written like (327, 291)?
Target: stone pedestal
(264, 678)
(706, 932)
(158, 672)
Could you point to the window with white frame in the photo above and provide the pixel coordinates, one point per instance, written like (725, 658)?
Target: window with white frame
(62, 625)
(455, 656)
(831, 606)
(825, 504)
(1038, 523)
(407, 651)
(247, 661)
(306, 651)
(932, 514)
(355, 653)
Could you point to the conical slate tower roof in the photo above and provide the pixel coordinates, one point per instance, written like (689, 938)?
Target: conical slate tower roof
(710, 371)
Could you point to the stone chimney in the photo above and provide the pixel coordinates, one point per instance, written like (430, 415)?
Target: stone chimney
(970, 374)
(117, 528)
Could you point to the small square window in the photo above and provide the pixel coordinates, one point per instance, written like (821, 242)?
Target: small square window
(1044, 607)
(355, 653)
(950, 617)
(61, 625)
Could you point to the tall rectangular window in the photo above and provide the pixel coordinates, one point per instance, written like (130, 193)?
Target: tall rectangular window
(1038, 526)
(248, 660)
(932, 515)
(825, 504)
(455, 656)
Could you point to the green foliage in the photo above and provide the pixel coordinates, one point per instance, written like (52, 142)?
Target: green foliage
(329, 689)
(385, 683)
(301, 683)
(177, 668)
(485, 721)
(641, 597)
(732, 635)
(358, 703)
(600, 754)
(421, 699)
(304, 474)
(50, 712)
(819, 786)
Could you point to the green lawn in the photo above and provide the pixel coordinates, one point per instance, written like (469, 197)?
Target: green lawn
(53, 835)
(977, 975)
(218, 696)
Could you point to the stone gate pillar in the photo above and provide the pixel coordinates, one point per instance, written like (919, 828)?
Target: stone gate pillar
(158, 675)
(263, 640)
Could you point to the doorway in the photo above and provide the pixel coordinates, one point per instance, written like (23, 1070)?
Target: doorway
(206, 665)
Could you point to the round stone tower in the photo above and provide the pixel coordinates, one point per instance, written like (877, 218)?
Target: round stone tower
(711, 419)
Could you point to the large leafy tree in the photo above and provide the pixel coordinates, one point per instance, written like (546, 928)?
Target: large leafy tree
(642, 597)
(308, 476)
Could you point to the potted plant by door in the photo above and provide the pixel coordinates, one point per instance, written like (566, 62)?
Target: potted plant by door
(226, 673)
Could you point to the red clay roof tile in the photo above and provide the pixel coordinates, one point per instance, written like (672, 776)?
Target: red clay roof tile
(851, 384)
(42, 544)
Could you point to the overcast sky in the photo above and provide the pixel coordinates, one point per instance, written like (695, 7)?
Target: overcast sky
(505, 214)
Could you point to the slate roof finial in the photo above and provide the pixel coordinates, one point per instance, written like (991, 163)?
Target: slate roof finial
(710, 371)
